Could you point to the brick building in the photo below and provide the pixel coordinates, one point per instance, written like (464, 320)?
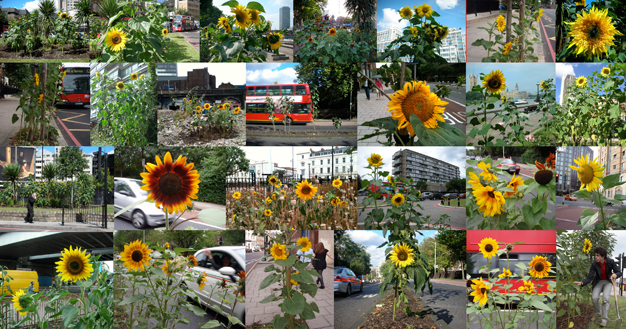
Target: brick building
(197, 78)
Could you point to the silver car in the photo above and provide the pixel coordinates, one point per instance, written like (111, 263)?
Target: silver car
(346, 281)
(128, 191)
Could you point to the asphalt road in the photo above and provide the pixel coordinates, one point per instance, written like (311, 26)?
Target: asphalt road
(457, 215)
(76, 122)
(125, 225)
(194, 36)
(549, 23)
(350, 311)
(251, 258)
(261, 128)
(447, 302)
(310, 140)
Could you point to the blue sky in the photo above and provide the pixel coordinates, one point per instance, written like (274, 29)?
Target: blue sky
(575, 69)
(452, 12)
(86, 149)
(267, 73)
(271, 9)
(525, 75)
(20, 4)
(372, 239)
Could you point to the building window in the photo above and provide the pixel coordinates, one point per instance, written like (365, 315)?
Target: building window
(313, 163)
(336, 160)
(343, 169)
(336, 169)
(328, 170)
(614, 156)
(313, 171)
(327, 161)
(344, 160)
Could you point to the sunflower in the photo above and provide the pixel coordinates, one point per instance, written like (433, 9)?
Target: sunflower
(166, 268)
(254, 16)
(294, 282)
(337, 182)
(236, 195)
(494, 82)
(167, 245)
(581, 82)
(267, 212)
(344, 203)
(237, 110)
(272, 180)
(587, 247)
(507, 48)
(310, 39)
(278, 251)
(74, 265)
(397, 199)
(592, 32)
(417, 99)
(424, 10)
(274, 40)
(539, 267)
(414, 31)
(305, 190)
(64, 15)
(16, 302)
(40, 99)
(37, 79)
(171, 184)
(402, 255)
(501, 22)
(550, 160)
(335, 201)
(474, 180)
(406, 12)
(481, 289)
(605, 71)
(164, 32)
(488, 247)
(242, 18)
(514, 184)
(193, 259)
(98, 75)
(505, 273)
(254, 193)
(332, 32)
(135, 256)
(486, 173)
(544, 85)
(207, 106)
(304, 244)
(540, 14)
(375, 160)
(489, 200)
(134, 76)
(274, 196)
(203, 280)
(582, 3)
(528, 287)
(268, 200)
(589, 172)
(115, 39)
(223, 22)
(120, 85)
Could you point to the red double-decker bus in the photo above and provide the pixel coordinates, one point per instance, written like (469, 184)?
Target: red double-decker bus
(537, 243)
(183, 23)
(300, 94)
(75, 86)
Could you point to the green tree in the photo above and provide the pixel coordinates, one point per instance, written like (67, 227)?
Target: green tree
(427, 247)
(363, 13)
(390, 75)
(18, 74)
(83, 12)
(454, 241)
(120, 238)
(108, 9)
(3, 19)
(332, 84)
(182, 239)
(308, 9)
(233, 237)
(209, 14)
(49, 171)
(71, 163)
(228, 160)
(421, 185)
(456, 184)
(12, 174)
(351, 254)
(48, 15)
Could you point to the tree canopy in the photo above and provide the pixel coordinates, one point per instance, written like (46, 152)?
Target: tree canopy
(351, 254)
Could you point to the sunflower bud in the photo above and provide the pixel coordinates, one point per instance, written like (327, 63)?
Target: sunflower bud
(509, 247)
(544, 177)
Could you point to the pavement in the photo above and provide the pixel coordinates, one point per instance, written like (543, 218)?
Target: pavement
(376, 109)
(192, 37)
(350, 311)
(447, 301)
(8, 129)
(477, 53)
(568, 212)
(284, 50)
(16, 226)
(264, 313)
(74, 122)
(431, 208)
(251, 259)
(547, 28)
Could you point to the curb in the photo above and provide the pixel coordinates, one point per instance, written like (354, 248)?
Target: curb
(193, 44)
(62, 141)
(448, 207)
(253, 266)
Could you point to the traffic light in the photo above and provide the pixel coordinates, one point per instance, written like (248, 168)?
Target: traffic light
(557, 178)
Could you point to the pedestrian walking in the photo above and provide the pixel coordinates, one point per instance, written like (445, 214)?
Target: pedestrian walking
(379, 84)
(29, 207)
(319, 262)
(367, 88)
(602, 271)
(300, 254)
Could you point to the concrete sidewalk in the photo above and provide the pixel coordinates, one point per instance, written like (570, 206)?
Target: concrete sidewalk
(13, 226)
(264, 313)
(475, 54)
(371, 110)
(454, 282)
(8, 130)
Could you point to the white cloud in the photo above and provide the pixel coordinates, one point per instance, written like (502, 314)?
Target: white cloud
(377, 255)
(564, 70)
(447, 4)
(255, 77)
(390, 18)
(367, 238)
(31, 5)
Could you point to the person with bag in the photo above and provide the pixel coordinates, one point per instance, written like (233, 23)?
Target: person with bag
(319, 262)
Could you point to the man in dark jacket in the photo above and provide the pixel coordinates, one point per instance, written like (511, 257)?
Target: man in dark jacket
(29, 206)
(602, 271)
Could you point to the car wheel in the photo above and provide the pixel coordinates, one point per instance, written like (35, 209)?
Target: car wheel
(138, 218)
(361, 287)
(349, 290)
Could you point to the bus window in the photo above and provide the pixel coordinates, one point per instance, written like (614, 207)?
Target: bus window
(250, 91)
(261, 91)
(76, 83)
(274, 91)
(255, 108)
(287, 90)
(301, 108)
(300, 90)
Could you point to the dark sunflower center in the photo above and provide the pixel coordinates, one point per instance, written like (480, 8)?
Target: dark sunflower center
(488, 248)
(403, 256)
(240, 17)
(278, 252)
(539, 267)
(136, 256)
(483, 291)
(419, 104)
(170, 184)
(491, 195)
(580, 81)
(605, 71)
(75, 266)
(495, 83)
(543, 177)
(593, 32)
(274, 38)
(117, 39)
(306, 190)
(425, 10)
(398, 199)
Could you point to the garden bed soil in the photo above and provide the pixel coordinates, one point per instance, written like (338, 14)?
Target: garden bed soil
(55, 52)
(581, 321)
(383, 317)
(19, 141)
(174, 132)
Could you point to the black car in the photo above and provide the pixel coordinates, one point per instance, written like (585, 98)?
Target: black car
(436, 196)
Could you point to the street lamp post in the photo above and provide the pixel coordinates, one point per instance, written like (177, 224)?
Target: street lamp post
(537, 96)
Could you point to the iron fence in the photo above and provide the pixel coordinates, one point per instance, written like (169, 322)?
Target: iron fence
(86, 214)
(251, 182)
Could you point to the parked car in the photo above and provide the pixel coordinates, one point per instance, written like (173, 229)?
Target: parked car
(461, 196)
(570, 197)
(436, 196)
(513, 168)
(450, 195)
(256, 249)
(426, 195)
(346, 281)
(215, 272)
(248, 250)
(128, 191)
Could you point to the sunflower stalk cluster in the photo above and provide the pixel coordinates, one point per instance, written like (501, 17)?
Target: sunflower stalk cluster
(494, 197)
(594, 111)
(305, 206)
(420, 40)
(515, 47)
(320, 42)
(288, 287)
(280, 107)
(244, 36)
(404, 213)
(524, 285)
(209, 119)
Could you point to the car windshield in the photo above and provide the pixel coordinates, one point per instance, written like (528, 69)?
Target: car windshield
(241, 252)
(338, 270)
(507, 161)
(140, 184)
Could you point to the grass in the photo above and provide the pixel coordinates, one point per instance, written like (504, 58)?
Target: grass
(181, 50)
(110, 209)
(621, 301)
(51, 61)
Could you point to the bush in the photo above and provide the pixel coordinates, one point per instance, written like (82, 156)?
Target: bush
(212, 189)
(530, 155)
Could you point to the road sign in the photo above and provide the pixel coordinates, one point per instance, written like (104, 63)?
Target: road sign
(440, 189)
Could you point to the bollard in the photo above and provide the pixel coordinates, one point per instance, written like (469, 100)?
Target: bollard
(458, 201)
(448, 201)
(442, 201)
